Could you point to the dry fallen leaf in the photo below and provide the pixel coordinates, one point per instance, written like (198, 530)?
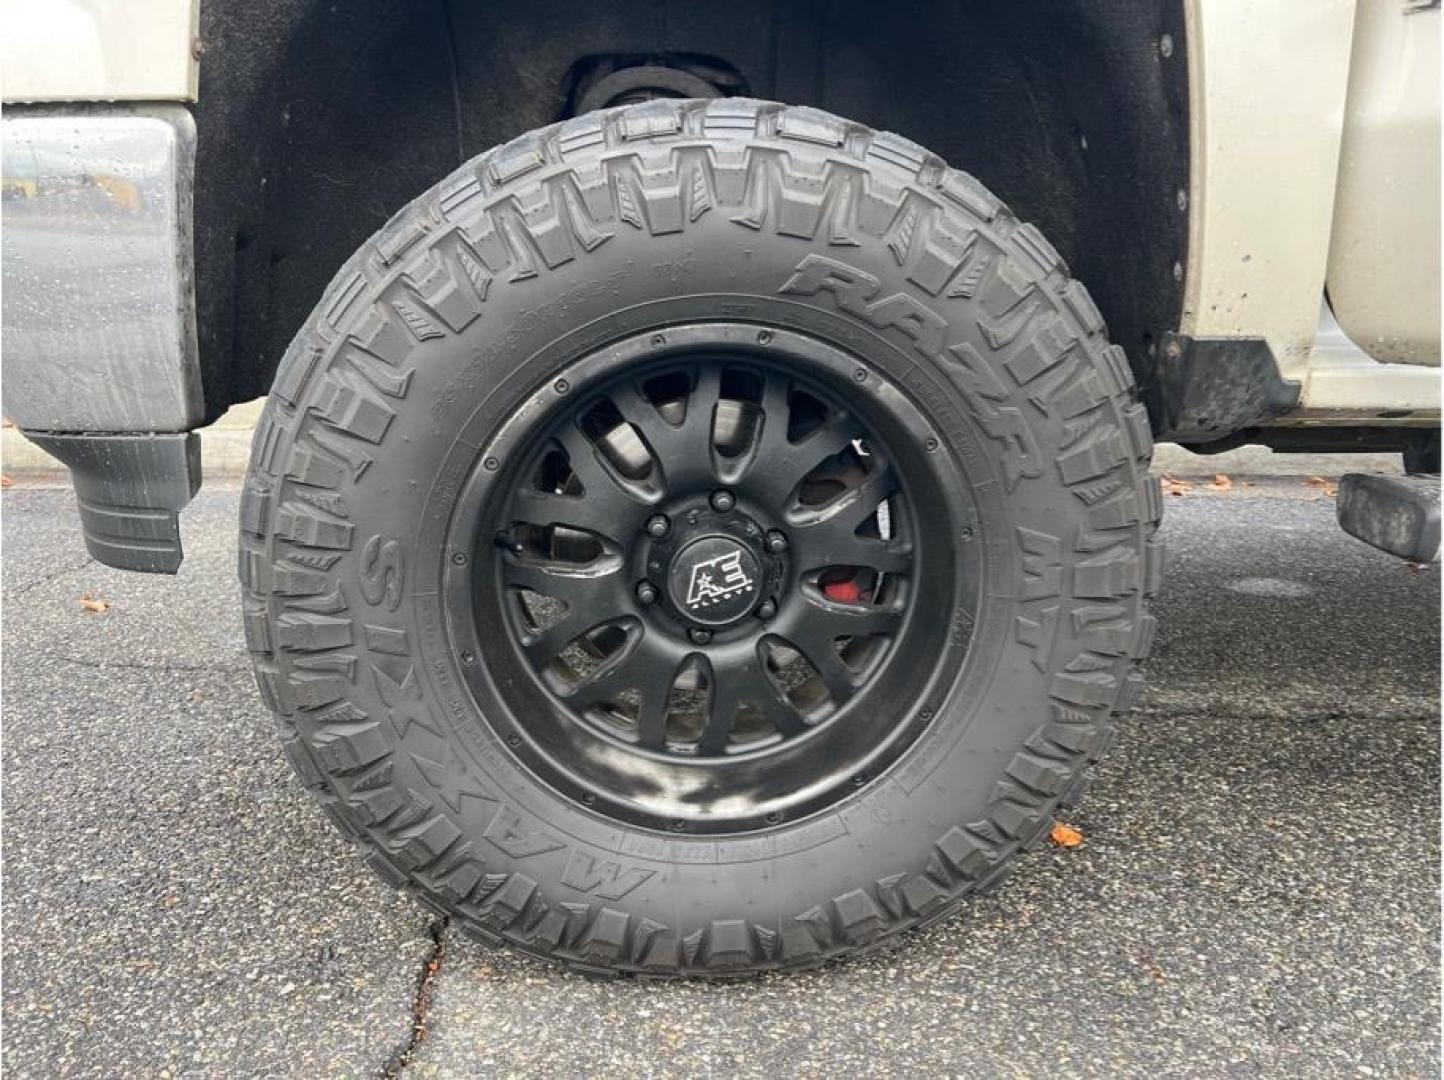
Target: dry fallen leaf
(1221, 482)
(90, 603)
(1065, 835)
(1316, 481)
(1173, 485)
(5, 480)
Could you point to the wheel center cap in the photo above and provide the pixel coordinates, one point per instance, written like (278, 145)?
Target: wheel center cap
(714, 580)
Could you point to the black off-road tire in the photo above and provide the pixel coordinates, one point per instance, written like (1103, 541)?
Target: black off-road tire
(453, 320)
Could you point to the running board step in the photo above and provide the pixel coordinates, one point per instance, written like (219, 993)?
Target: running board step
(1397, 514)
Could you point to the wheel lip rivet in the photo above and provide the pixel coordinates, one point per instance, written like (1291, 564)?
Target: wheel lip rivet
(658, 526)
(723, 501)
(930, 445)
(491, 464)
(647, 593)
(467, 656)
(860, 375)
(561, 386)
(679, 825)
(459, 558)
(774, 818)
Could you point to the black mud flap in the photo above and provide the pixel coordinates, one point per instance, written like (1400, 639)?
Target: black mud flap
(131, 489)
(1205, 389)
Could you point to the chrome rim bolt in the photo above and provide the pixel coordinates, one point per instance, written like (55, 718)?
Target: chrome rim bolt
(658, 526)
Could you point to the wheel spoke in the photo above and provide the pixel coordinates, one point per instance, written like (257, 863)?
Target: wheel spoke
(649, 667)
(814, 630)
(644, 669)
(850, 620)
(881, 555)
(731, 687)
(663, 439)
(830, 538)
(691, 459)
(777, 710)
(821, 547)
(702, 402)
(593, 515)
(836, 523)
(544, 646)
(586, 461)
(776, 412)
(683, 451)
(617, 674)
(780, 466)
(608, 506)
(596, 587)
(652, 717)
(592, 597)
(817, 647)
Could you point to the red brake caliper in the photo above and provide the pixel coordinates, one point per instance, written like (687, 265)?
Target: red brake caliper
(847, 591)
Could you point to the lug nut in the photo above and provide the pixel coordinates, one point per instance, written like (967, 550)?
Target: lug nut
(723, 502)
(658, 526)
(699, 636)
(767, 609)
(776, 542)
(646, 593)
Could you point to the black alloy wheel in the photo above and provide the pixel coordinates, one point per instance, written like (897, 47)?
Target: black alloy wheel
(714, 555)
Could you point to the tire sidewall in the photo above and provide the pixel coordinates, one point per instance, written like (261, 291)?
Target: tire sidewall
(487, 822)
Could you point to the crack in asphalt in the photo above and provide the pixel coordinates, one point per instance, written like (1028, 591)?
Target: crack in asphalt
(104, 665)
(45, 579)
(421, 1003)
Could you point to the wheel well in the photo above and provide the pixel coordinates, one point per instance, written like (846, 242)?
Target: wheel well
(317, 121)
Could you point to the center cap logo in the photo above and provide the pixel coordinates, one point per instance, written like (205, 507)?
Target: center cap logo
(714, 580)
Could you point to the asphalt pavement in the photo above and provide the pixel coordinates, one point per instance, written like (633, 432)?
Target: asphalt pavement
(1257, 891)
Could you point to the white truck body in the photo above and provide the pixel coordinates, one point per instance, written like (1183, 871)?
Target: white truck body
(1315, 163)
